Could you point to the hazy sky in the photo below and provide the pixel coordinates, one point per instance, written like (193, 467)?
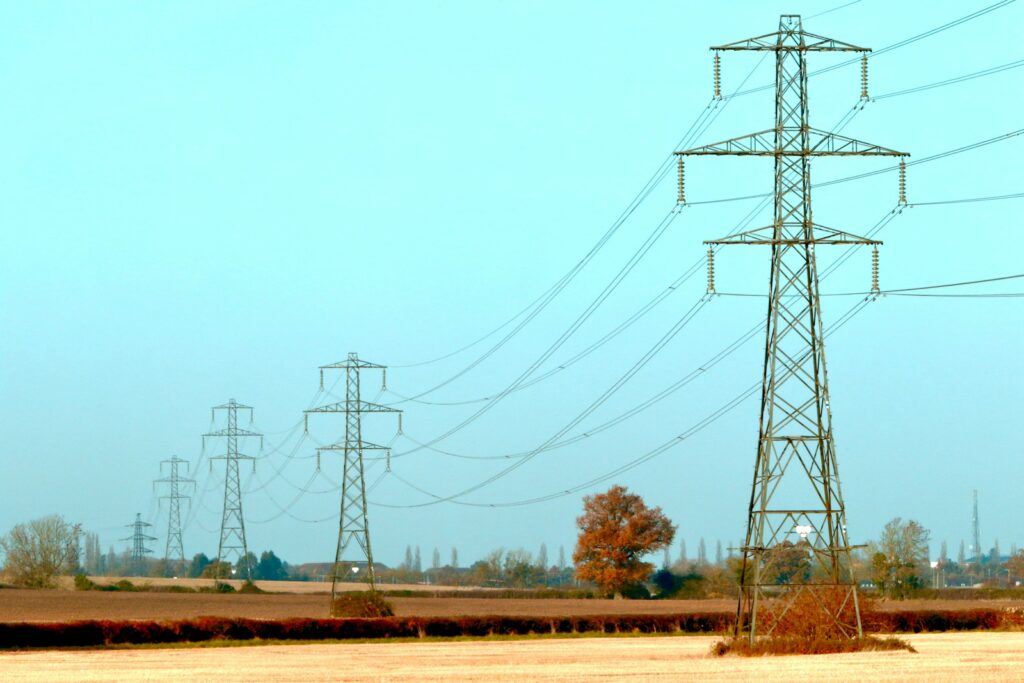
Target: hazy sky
(207, 200)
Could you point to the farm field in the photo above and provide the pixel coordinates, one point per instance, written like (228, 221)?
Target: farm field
(58, 605)
(64, 605)
(940, 657)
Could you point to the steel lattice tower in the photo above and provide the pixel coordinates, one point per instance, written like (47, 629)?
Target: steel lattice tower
(139, 549)
(176, 486)
(800, 515)
(353, 523)
(232, 525)
(976, 529)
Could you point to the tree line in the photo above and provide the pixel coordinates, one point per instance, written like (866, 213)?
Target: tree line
(618, 533)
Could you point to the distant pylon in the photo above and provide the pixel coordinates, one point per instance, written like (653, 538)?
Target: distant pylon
(801, 516)
(232, 524)
(139, 550)
(176, 487)
(976, 529)
(353, 523)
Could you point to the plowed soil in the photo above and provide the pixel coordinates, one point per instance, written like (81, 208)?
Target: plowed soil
(66, 605)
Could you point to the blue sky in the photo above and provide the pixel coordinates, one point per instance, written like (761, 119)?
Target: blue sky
(209, 200)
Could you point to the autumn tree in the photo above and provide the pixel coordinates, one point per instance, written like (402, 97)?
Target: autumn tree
(616, 530)
(899, 557)
(39, 550)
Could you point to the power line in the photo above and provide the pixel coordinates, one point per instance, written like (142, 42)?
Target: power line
(635, 462)
(905, 290)
(888, 169)
(714, 360)
(894, 46)
(951, 81)
(970, 200)
(697, 128)
(834, 9)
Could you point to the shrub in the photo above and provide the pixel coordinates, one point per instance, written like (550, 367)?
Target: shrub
(443, 627)
(814, 613)
(250, 587)
(368, 604)
(636, 591)
(475, 626)
(789, 645)
(82, 583)
(218, 587)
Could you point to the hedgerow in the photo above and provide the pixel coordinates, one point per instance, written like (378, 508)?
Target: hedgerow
(103, 632)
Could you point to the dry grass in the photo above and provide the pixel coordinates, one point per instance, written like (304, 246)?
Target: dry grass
(364, 604)
(807, 646)
(982, 657)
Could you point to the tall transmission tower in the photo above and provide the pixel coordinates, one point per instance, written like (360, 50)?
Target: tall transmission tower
(976, 529)
(232, 524)
(353, 523)
(138, 540)
(799, 511)
(176, 492)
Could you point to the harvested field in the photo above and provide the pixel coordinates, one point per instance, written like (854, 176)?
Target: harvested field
(940, 657)
(57, 605)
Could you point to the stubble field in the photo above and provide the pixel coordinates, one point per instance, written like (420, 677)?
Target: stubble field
(940, 657)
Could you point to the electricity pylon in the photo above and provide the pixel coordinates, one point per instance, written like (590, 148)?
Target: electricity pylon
(176, 487)
(353, 523)
(800, 516)
(232, 524)
(139, 549)
(976, 529)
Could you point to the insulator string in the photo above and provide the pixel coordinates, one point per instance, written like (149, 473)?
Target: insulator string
(864, 77)
(903, 183)
(874, 271)
(681, 199)
(711, 270)
(718, 76)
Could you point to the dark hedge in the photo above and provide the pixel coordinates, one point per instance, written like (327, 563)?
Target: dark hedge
(99, 633)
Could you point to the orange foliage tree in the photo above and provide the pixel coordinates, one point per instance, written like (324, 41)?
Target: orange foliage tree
(616, 530)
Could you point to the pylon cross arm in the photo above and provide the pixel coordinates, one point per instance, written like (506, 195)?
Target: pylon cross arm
(819, 235)
(363, 445)
(792, 40)
(352, 363)
(232, 432)
(779, 142)
(353, 407)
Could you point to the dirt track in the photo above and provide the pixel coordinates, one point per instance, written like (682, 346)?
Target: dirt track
(941, 657)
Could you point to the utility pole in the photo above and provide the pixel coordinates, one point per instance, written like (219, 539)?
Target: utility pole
(176, 487)
(976, 529)
(805, 509)
(353, 523)
(232, 524)
(139, 549)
